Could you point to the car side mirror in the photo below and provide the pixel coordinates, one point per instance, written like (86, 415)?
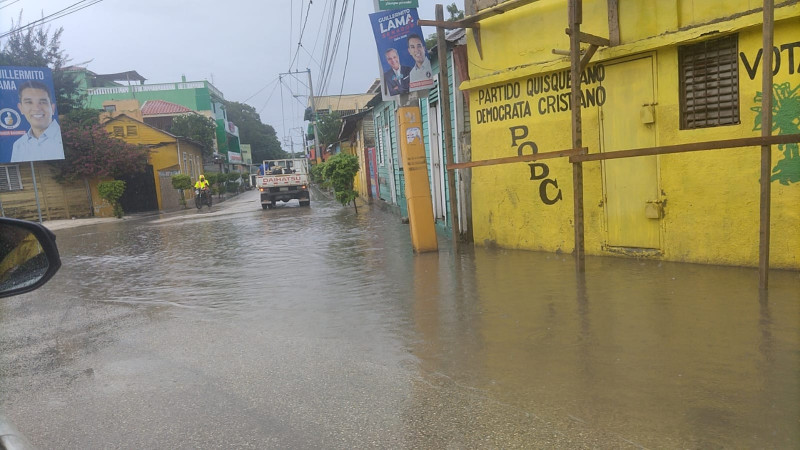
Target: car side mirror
(28, 256)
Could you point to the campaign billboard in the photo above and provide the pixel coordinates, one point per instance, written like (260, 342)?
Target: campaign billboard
(405, 66)
(29, 129)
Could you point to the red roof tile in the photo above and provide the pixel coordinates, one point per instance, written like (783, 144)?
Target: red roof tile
(155, 107)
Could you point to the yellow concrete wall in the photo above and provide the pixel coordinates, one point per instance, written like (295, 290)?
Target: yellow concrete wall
(164, 151)
(711, 198)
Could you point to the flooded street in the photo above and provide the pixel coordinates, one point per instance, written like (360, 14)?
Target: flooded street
(318, 328)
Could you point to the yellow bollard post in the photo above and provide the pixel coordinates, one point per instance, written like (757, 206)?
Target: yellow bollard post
(418, 190)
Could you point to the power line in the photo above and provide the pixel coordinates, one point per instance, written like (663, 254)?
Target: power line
(6, 6)
(268, 98)
(302, 31)
(347, 58)
(335, 50)
(71, 9)
(312, 57)
(259, 91)
(283, 110)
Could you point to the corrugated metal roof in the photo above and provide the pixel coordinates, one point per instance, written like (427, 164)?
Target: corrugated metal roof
(156, 107)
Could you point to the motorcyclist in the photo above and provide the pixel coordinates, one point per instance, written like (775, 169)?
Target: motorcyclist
(202, 185)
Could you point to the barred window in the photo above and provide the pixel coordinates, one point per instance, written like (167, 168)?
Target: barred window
(709, 83)
(133, 130)
(119, 131)
(10, 179)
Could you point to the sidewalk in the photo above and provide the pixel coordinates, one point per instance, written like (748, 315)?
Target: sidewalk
(72, 223)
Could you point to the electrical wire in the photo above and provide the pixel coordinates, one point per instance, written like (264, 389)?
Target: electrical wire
(6, 6)
(347, 58)
(332, 45)
(259, 91)
(71, 9)
(268, 98)
(283, 110)
(302, 31)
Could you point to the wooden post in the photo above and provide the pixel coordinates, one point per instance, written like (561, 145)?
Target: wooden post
(575, 19)
(766, 150)
(444, 96)
(613, 22)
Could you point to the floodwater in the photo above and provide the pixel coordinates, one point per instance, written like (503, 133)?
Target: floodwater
(318, 328)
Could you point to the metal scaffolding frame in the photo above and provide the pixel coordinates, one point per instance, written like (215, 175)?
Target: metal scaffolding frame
(578, 154)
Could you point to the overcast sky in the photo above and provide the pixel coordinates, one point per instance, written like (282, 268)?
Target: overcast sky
(240, 45)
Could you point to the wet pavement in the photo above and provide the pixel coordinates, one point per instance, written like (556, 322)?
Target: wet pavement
(318, 328)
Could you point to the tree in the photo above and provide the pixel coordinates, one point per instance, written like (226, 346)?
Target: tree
(262, 138)
(91, 151)
(329, 126)
(36, 47)
(455, 15)
(198, 128)
(341, 170)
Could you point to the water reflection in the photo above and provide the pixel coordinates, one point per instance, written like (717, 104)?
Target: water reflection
(493, 348)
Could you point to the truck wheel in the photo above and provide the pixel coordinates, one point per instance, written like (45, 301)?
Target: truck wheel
(305, 202)
(270, 205)
(263, 206)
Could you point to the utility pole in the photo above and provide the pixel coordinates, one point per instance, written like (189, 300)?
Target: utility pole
(313, 111)
(318, 153)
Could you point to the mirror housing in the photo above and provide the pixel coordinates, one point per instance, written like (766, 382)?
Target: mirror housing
(28, 256)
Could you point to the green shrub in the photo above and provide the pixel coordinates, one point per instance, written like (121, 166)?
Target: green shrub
(212, 177)
(341, 170)
(112, 191)
(317, 174)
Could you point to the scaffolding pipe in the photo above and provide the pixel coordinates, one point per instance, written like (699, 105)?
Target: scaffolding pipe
(575, 19)
(766, 150)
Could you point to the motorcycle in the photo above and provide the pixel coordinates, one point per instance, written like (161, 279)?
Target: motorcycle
(202, 196)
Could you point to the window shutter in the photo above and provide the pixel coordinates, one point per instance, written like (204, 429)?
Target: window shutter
(709, 83)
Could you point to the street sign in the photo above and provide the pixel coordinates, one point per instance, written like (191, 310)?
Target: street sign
(397, 4)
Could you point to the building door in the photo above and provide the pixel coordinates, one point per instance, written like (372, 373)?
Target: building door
(140, 192)
(372, 176)
(435, 139)
(389, 148)
(630, 184)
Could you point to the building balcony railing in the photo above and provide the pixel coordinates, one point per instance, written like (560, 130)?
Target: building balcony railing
(156, 87)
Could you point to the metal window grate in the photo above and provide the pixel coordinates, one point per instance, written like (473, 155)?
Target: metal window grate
(709, 82)
(10, 179)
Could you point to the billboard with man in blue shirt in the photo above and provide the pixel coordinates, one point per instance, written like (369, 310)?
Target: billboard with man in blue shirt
(29, 129)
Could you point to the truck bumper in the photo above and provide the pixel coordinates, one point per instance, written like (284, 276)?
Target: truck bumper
(272, 197)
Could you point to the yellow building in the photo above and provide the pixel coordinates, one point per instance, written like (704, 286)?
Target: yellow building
(683, 71)
(169, 155)
(357, 137)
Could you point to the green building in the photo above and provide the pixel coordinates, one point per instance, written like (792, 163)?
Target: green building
(200, 96)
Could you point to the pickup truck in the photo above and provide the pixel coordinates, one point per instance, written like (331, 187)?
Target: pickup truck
(283, 179)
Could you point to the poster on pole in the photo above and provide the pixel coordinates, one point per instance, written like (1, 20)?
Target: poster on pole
(29, 129)
(397, 4)
(402, 53)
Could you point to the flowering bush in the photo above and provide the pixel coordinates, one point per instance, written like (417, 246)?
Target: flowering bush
(91, 151)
